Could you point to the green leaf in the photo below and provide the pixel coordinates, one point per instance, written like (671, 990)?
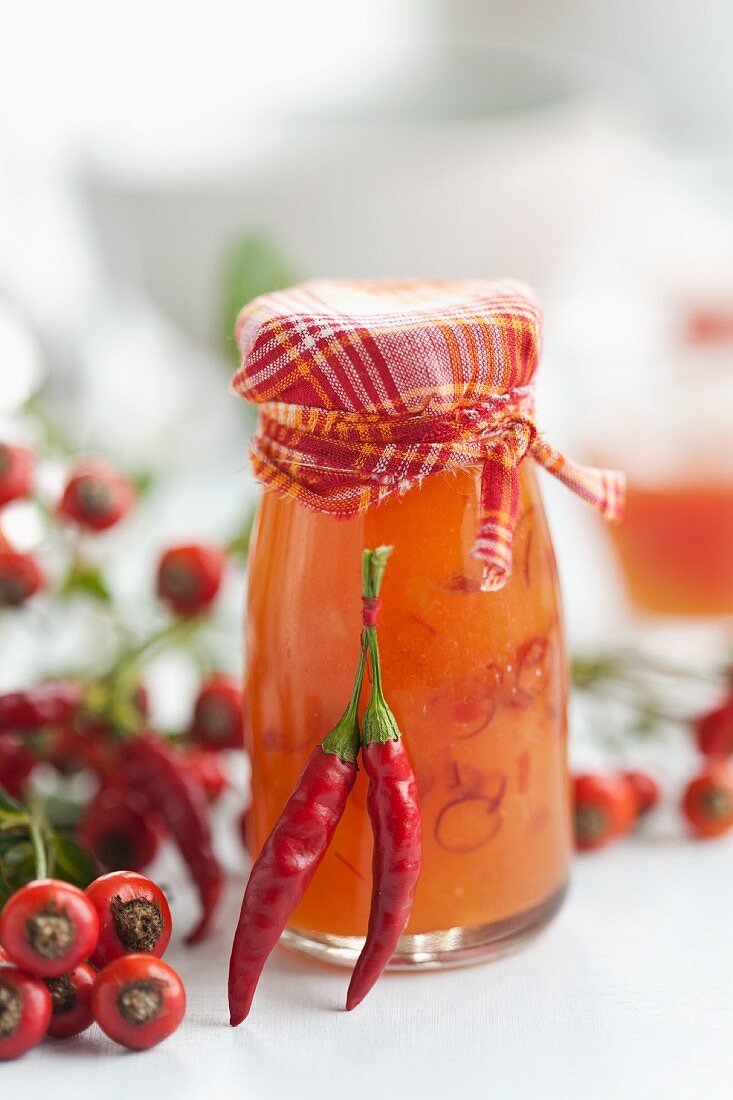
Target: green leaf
(143, 480)
(88, 580)
(9, 808)
(253, 266)
(11, 837)
(73, 862)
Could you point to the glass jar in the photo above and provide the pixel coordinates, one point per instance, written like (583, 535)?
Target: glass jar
(478, 684)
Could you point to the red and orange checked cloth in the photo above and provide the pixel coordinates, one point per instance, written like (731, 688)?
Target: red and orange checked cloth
(366, 387)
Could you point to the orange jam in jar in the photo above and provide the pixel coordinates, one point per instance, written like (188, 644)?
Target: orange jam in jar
(477, 682)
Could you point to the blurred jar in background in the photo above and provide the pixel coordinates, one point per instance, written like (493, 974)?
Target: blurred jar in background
(675, 545)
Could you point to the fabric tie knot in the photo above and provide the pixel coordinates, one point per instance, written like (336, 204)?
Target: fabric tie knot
(366, 388)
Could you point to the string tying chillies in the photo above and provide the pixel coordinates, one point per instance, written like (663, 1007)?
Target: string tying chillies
(302, 834)
(370, 608)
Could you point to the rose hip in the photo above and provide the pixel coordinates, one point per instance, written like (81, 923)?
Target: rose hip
(189, 577)
(644, 789)
(605, 809)
(20, 578)
(71, 999)
(218, 719)
(48, 927)
(16, 764)
(138, 1001)
(133, 916)
(707, 802)
(16, 472)
(25, 1011)
(714, 731)
(97, 495)
(119, 830)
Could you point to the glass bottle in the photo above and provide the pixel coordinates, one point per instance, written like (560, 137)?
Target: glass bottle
(477, 681)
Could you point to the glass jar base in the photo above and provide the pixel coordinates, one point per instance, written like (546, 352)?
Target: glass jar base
(436, 950)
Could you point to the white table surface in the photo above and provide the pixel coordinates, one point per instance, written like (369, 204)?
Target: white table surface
(628, 994)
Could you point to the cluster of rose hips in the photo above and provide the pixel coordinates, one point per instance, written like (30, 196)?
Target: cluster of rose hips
(87, 722)
(608, 807)
(96, 496)
(70, 957)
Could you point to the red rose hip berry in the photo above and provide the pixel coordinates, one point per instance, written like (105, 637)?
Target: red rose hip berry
(48, 927)
(25, 1012)
(714, 731)
(20, 578)
(604, 808)
(118, 829)
(97, 495)
(218, 716)
(708, 801)
(134, 916)
(138, 1000)
(644, 789)
(16, 472)
(189, 577)
(71, 1002)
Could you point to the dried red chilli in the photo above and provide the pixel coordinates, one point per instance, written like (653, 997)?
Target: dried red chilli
(393, 806)
(154, 770)
(292, 852)
(48, 703)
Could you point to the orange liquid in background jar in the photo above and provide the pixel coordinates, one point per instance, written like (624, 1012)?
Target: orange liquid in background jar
(476, 680)
(675, 546)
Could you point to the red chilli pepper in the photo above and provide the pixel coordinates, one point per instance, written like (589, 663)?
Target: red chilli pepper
(394, 812)
(206, 765)
(45, 705)
(169, 787)
(292, 853)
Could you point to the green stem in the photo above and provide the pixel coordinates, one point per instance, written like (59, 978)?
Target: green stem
(379, 723)
(343, 740)
(175, 631)
(39, 849)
